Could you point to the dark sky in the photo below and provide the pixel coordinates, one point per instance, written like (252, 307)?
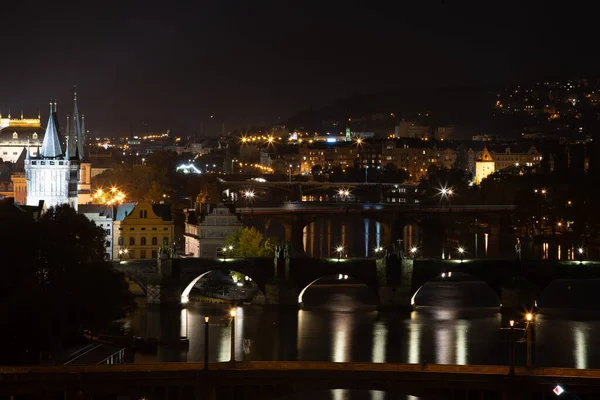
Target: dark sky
(151, 65)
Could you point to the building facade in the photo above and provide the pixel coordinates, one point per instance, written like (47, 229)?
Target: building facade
(484, 166)
(59, 172)
(101, 216)
(204, 238)
(16, 134)
(52, 174)
(140, 229)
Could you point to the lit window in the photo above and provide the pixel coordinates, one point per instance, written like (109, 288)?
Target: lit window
(15, 135)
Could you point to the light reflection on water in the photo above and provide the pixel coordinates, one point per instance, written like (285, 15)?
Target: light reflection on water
(339, 325)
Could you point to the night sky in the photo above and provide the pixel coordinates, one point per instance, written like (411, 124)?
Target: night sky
(148, 66)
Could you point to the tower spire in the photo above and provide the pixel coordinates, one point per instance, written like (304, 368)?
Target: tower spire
(51, 147)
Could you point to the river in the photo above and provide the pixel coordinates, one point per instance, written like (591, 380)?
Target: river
(455, 323)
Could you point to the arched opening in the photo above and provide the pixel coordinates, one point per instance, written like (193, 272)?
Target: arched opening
(458, 290)
(221, 286)
(570, 295)
(359, 236)
(339, 292)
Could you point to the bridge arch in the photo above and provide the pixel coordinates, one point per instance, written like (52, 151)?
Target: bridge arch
(192, 270)
(186, 291)
(479, 287)
(340, 276)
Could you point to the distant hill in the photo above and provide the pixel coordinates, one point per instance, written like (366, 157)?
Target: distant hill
(468, 107)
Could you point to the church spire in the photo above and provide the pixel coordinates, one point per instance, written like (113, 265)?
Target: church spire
(82, 139)
(51, 147)
(75, 124)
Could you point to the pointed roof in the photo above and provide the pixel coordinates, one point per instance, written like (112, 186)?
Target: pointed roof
(486, 155)
(51, 146)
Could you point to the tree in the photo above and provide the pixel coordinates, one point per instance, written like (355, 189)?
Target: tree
(53, 283)
(249, 242)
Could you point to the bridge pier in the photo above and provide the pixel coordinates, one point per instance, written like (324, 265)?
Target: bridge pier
(280, 290)
(165, 287)
(293, 233)
(394, 278)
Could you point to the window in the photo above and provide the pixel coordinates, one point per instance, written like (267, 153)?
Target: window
(15, 135)
(121, 241)
(154, 241)
(142, 253)
(143, 242)
(131, 254)
(34, 136)
(166, 240)
(131, 241)
(154, 254)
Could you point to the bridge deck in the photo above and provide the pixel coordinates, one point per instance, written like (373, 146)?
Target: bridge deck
(47, 372)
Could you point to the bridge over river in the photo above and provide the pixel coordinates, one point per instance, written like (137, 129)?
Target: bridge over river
(393, 279)
(272, 380)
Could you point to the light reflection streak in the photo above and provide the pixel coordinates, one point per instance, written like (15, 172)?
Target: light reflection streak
(341, 341)
(443, 345)
(461, 328)
(377, 234)
(414, 339)
(485, 242)
(580, 337)
(380, 333)
(366, 222)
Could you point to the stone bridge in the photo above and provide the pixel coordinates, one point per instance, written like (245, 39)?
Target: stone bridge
(392, 279)
(281, 380)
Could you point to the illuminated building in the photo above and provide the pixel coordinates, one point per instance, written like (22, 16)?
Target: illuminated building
(140, 229)
(59, 173)
(204, 238)
(484, 166)
(101, 216)
(16, 134)
(52, 173)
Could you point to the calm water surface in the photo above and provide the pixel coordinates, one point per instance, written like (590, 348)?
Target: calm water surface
(456, 323)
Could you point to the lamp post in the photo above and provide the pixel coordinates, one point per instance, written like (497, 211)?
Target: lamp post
(339, 250)
(461, 253)
(205, 342)
(511, 348)
(413, 252)
(232, 360)
(529, 318)
(366, 174)
(580, 254)
(290, 172)
(232, 161)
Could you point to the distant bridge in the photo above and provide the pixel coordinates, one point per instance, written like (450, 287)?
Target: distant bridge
(272, 380)
(373, 208)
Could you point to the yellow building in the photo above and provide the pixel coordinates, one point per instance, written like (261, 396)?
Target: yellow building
(484, 166)
(140, 229)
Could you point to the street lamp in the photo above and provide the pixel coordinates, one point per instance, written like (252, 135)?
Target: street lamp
(290, 172)
(232, 314)
(378, 251)
(205, 342)
(413, 251)
(580, 253)
(339, 250)
(461, 253)
(511, 348)
(529, 318)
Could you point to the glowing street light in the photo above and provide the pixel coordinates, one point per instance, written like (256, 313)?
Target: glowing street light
(461, 253)
(413, 251)
(339, 250)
